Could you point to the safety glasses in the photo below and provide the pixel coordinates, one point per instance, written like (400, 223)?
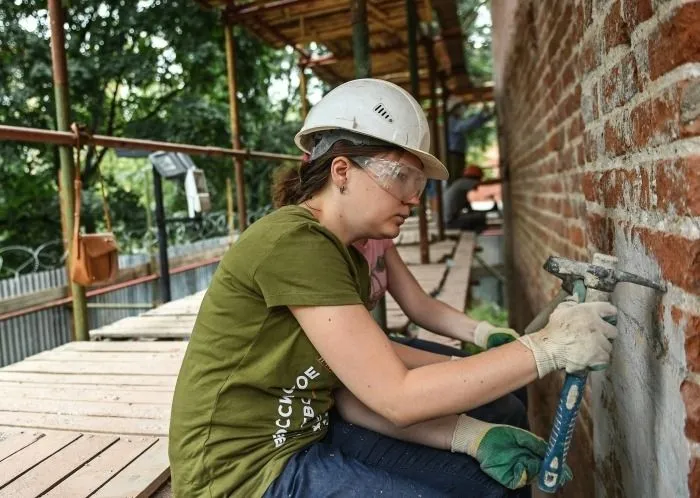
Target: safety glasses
(401, 180)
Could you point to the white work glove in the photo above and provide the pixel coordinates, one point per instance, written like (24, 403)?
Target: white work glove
(575, 338)
(488, 336)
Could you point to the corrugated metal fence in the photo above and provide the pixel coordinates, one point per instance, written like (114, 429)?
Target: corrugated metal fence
(38, 331)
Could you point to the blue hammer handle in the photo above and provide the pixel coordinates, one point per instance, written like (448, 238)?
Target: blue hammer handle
(564, 421)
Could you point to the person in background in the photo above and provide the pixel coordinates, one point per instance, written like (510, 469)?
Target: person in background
(457, 128)
(456, 210)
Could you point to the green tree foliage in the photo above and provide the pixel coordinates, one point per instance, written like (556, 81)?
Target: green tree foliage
(476, 29)
(138, 68)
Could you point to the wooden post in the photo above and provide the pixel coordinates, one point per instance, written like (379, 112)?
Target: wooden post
(67, 172)
(360, 39)
(303, 92)
(445, 120)
(434, 131)
(412, 26)
(235, 121)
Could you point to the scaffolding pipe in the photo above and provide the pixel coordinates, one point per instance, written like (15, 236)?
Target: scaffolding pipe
(360, 39)
(235, 122)
(412, 27)
(67, 171)
(434, 131)
(37, 135)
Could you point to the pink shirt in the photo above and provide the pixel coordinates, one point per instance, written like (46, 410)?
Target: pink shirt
(373, 250)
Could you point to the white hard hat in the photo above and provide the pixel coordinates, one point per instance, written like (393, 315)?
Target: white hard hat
(378, 109)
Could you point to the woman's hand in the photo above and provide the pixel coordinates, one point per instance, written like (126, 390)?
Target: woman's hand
(510, 455)
(488, 336)
(576, 338)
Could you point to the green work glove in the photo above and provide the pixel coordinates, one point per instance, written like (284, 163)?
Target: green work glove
(486, 336)
(507, 454)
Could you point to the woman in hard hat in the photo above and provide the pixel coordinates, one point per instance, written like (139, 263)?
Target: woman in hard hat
(284, 325)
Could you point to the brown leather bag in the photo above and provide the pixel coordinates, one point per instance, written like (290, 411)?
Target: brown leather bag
(94, 257)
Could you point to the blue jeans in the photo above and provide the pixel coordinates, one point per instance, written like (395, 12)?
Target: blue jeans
(352, 462)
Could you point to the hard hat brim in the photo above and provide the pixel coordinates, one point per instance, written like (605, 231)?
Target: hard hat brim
(432, 166)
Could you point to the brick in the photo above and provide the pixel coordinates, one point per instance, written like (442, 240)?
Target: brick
(615, 29)
(580, 154)
(601, 232)
(690, 324)
(690, 108)
(568, 76)
(694, 477)
(678, 186)
(590, 54)
(691, 397)
(678, 257)
(635, 12)
(577, 236)
(594, 143)
(656, 121)
(589, 103)
(621, 83)
(614, 138)
(588, 184)
(676, 41)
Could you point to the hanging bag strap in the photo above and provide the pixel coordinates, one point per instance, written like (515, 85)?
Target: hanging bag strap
(78, 184)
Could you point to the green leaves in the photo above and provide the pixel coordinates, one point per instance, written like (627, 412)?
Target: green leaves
(143, 69)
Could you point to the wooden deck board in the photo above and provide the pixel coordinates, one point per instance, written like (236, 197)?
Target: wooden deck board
(42, 477)
(13, 441)
(102, 468)
(456, 284)
(28, 457)
(79, 392)
(58, 379)
(165, 367)
(142, 477)
(125, 346)
(86, 408)
(99, 425)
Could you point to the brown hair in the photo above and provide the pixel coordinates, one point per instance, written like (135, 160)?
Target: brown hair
(294, 185)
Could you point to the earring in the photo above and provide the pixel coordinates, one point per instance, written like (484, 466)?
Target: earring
(342, 189)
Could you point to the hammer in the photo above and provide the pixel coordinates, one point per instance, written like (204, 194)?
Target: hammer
(590, 282)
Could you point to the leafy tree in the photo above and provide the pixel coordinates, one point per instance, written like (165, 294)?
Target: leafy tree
(136, 68)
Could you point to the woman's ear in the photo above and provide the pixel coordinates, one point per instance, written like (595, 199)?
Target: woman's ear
(339, 171)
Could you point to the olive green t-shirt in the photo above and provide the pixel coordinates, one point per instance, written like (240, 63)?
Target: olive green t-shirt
(253, 390)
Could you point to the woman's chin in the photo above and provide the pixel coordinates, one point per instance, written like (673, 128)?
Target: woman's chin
(391, 231)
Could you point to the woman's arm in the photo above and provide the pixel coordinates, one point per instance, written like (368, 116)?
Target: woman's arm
(364, 360)
(436, 433)
(422, 309)
(414, 358)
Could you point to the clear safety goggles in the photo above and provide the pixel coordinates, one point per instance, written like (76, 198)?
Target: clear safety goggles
(401, 180)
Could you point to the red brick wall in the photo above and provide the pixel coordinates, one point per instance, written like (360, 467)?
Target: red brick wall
(599, 121)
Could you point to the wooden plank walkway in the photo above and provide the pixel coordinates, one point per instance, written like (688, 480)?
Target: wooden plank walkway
(88, 419)
(454, 289)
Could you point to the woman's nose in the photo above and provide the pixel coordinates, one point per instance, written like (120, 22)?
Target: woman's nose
(413, 201)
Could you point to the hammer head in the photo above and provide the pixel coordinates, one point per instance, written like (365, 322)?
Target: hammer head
(594, 276)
